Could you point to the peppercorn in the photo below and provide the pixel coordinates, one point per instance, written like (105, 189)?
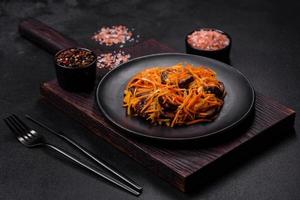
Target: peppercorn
(75, 58)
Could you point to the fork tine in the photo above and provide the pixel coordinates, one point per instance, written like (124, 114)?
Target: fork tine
(20, 122)
(9, 125)
(19, 129)
(12, 126)
(15, 124)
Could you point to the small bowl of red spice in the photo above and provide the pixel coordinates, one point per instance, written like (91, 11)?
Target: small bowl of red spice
(209, 42)
(76, 69)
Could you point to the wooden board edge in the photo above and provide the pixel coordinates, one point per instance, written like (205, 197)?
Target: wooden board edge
(208, 172)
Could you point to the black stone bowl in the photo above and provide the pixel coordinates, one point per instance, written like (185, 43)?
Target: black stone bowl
(220, 54)
(76, 79)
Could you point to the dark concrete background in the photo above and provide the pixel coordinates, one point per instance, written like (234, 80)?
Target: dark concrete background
(265, 48)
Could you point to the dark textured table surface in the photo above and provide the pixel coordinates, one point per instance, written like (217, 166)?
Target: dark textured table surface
(265, 48)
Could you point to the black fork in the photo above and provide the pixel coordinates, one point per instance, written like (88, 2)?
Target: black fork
(30, 138)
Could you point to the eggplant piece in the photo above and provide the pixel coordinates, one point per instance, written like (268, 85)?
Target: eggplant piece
(139, 106)
(186, 82)
(219, 90)
(222, 88)
(131, 89)
(210, 113)
(164, 76)
(167, 106)
(167, 115)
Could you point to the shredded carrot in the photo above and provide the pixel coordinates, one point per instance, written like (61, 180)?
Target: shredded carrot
(150, 91)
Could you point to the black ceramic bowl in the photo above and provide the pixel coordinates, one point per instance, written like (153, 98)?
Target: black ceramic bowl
(76, 79)
(219, 54)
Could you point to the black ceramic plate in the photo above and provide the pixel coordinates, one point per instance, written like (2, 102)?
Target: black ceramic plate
(238, 102)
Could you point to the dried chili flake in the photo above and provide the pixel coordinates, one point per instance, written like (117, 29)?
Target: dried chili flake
(75, 57)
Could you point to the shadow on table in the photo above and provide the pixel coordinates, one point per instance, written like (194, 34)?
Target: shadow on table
(247, 153)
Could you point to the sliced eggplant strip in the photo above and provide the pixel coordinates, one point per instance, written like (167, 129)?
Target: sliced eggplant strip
(164, 76)
(167, 106)
(185, 82)
(218, 90)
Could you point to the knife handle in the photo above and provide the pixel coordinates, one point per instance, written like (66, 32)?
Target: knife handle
(45, 36)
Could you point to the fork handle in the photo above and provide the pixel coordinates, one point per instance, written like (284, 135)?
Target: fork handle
(101, 162)
(91, 169)
(105, 165)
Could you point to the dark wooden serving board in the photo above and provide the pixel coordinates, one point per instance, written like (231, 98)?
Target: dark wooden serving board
(179, 165)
